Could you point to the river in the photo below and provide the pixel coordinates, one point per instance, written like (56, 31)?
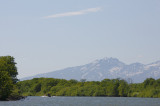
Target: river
(83, 101)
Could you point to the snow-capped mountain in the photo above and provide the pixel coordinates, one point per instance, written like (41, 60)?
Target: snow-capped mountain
(106, 68)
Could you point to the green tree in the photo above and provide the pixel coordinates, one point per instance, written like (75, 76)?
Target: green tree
(8, 77)
(6, 85)
(148, 82)
(8, 64)
(123, 88)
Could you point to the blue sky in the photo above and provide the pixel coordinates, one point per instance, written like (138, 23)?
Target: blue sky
(46, 35)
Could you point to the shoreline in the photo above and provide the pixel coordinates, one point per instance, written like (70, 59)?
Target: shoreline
(15, 98)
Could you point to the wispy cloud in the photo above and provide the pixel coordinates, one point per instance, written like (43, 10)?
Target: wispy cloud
(81, 12)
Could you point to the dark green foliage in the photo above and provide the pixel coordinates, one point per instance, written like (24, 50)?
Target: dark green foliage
(107, 87)
(8, 79)
(149, 82)
(123, 88)
(5, 85)
(149, 88)
(7, 64)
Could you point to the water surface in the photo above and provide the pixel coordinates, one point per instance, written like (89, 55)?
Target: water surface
(83, 101)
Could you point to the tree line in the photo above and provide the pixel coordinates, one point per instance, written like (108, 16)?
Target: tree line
(107, 87)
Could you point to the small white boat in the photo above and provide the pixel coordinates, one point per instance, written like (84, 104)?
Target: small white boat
(53, 96)
(44, 96)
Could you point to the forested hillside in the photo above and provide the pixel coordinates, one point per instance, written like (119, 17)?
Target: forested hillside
(107, 87)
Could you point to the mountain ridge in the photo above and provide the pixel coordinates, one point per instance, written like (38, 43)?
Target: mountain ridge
(106, 68)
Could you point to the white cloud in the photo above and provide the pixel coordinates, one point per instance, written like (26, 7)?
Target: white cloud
(81, 12)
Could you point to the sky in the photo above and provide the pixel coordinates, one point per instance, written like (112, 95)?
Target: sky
(48, 35)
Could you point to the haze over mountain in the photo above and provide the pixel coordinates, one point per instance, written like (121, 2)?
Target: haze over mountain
(106, 68)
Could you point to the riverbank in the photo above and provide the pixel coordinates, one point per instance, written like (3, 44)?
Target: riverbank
(14, 98)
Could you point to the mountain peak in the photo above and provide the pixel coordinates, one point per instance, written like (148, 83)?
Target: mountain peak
(106, 59)
(106, 68)
(109, 58)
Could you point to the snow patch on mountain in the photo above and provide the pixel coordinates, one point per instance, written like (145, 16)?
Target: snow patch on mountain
(106, 68)
(115, 69)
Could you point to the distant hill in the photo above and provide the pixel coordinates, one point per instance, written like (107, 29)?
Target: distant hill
(106, 68)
